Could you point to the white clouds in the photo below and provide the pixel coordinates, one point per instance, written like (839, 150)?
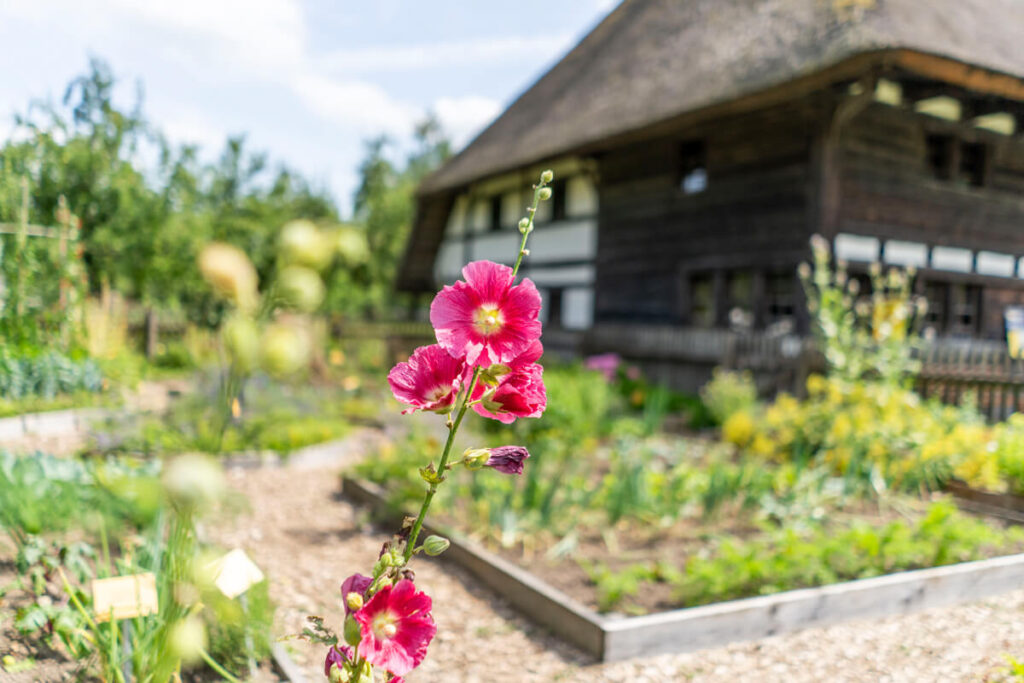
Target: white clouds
(426, 56)
(364, 107)
(464, 117)
(214, 67)
(187, 124)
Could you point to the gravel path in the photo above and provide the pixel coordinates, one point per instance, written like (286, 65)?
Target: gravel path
(307, 540)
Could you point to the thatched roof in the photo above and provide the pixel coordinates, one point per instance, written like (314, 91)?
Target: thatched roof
(652, 60)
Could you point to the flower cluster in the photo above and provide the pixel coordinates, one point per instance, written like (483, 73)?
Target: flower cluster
(390, 630)
(488, 330)
(486, 358)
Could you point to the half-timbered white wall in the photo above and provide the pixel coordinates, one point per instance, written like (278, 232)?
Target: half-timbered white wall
(562, 252)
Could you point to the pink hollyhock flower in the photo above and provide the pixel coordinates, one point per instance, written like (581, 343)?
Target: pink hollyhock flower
(429, 380)
(396, 628)
(519, 393)
(337, 656)
(357, 583)
(486, 318)
(507, 459)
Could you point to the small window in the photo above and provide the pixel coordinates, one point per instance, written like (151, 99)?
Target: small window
(972, 163)
(963, 317)
(937, 295)
(693, 176)
(495, 223)
(940, 156)
(780, 295)
(702, 300)
(741, 299)
(554, 306)
(558, 199)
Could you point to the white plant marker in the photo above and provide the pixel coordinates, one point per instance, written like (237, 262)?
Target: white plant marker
(125, 597)
(235, 574)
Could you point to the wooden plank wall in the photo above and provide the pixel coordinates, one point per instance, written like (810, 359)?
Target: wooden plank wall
(753, 211)
(888, 189)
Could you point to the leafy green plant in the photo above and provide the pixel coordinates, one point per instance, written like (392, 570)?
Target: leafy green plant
(728, 393)
(114, 518)
(804, 555)
(46, 375)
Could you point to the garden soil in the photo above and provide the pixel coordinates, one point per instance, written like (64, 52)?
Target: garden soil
(307, 539)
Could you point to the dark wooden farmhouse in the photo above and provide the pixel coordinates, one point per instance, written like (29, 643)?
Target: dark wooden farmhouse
(698, 144)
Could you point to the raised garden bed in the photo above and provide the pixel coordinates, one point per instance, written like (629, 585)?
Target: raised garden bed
(1006, 506)
(617, 637)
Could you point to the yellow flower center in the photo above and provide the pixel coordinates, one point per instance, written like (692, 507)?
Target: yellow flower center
(488, 320)
(384, 626)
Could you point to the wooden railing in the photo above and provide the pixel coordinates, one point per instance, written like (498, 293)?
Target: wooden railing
(683, 357)
(983, 371)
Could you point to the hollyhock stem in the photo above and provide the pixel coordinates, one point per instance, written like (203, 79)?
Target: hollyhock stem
(528, 228)
(453, 428)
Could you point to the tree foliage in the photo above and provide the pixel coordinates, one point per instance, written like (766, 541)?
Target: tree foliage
(147, 206)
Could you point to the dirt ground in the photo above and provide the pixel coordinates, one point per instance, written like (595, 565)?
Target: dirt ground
(307, 539)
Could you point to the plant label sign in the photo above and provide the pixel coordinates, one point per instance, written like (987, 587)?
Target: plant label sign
(235, 573)
(125, 597)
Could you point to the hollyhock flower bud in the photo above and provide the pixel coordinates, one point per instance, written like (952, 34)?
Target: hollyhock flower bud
(507, 459)
(334, 666)
(229, 271)
(353, 602)
(396, 628)
(485, 318)
(351, 245)
(193, 480)
(429, 380)
(241, 341)
(435, 545)
(187, 639)
(301, 243)
(354, 585)
(284, 350)
(524, 224)
(547, 176)
(544, 193)
(351, 631)
(301, 288)
(476, 457)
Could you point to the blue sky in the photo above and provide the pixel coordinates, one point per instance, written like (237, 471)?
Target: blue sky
(306, 80)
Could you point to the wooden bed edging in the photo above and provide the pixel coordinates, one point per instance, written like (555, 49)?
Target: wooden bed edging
(1005, 506)
(694, 628)
(285, 666)
(542, 603)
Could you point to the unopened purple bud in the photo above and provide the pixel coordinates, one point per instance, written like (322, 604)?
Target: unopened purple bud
(508, 459)
(337, 656)
(357, 583)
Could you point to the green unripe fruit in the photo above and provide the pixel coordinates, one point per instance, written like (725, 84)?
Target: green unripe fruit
(351, 245)
(301, 288)
(241, 339)
(283, 351)
(303, 244)
(186, 639)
